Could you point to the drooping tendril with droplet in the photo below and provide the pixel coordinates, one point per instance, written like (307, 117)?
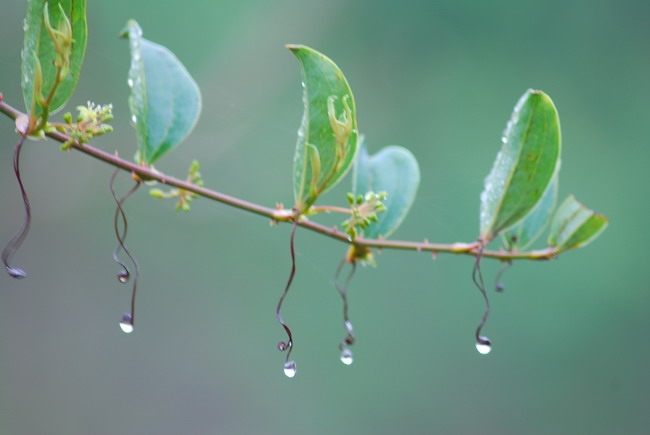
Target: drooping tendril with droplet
(289, 365)
(483, 344)
(346, 354)
(17, 240)
(124, 275)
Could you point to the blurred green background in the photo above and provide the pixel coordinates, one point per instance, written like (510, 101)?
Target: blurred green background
(571, 347)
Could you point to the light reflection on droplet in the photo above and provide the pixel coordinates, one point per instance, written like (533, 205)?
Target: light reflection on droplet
(483, 345)
(123, 276)
(126, 324)
(14, 272)
(290, 369)
(346, 356)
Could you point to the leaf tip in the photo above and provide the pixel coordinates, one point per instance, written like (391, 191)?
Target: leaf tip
(130, 28)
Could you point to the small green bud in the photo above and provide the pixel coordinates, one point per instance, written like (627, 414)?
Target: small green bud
(157, 193)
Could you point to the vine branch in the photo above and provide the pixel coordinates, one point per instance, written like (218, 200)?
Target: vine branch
(282, 215)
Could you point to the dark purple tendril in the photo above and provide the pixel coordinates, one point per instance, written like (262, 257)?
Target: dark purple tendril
(287, 345)
(343, 291)
(119, 219)
(477, 277)
(498, 284)
(17, 240)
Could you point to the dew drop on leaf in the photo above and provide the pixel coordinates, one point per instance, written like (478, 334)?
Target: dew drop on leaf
(290, 369)
(126, 324)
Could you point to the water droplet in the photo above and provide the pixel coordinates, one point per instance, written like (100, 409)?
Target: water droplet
(346, 356)
(282, 346)
(504, 139)
(130, 82)
(500, 287)
(123, 276)
(126, 324)
(134, 119)
(290, 369)
(14, 272)
(483, 345)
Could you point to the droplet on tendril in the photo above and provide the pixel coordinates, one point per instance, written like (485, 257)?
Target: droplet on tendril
(126, 324)
(123, 276)
(346, 356)
(282, 346)
(290, 369)
(14, 272)
(500, 287)
(483, 345)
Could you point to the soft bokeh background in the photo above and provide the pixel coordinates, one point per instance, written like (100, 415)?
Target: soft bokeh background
(571, 347)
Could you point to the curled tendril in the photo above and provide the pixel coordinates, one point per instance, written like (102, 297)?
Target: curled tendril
(287, 345)
(483, 344)
(498, 284)
(343, 291)
(17, 240)
(120, 218)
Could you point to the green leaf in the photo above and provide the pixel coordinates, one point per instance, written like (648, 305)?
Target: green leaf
(328, 129)
(165, 100)
(522, 235)
(523, 169)
(393, 170)
(45, 64)
(574, 225)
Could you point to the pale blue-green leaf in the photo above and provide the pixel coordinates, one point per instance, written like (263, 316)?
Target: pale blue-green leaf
(393, 170)
(165, 100)
(522, 235)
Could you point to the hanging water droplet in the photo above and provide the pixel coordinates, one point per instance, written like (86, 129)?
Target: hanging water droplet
(126, 324)
(483, 345)
(123, 276)
(346, 356)
(500, 287)
(290, 369)
(14, 272)
(282, 346)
